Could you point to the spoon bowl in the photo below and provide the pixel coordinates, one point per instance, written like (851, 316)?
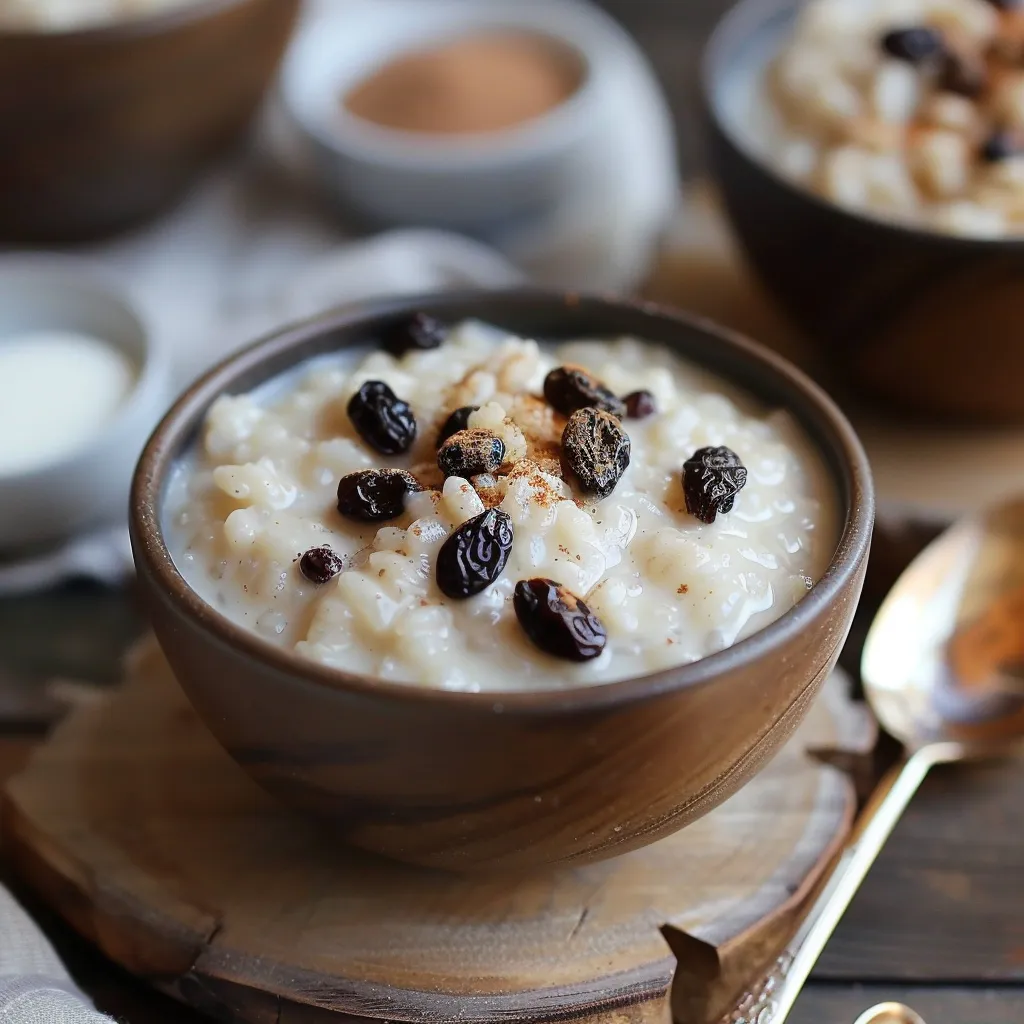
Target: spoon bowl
(943, 659)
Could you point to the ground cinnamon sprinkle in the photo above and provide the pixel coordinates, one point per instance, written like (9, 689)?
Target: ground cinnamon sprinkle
(476, 83)
(492, 497)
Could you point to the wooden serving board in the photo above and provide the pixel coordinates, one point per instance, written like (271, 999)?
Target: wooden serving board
(136, 827)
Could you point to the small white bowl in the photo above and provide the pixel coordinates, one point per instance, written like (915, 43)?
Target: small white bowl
(89, 487)
(481, 184)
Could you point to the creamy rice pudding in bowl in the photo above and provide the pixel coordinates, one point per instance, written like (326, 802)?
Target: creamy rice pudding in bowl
(503, 579)
(871, 154)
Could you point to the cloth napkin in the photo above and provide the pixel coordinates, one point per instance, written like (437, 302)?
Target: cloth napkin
(35, 988)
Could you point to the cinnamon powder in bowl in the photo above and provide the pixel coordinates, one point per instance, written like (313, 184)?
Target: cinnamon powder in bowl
(490, 119)
(473, 84)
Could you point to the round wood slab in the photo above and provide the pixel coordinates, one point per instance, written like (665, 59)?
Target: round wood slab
(136, 827)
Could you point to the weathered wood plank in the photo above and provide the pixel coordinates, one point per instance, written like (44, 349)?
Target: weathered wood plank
(76, 632)
(946, 900)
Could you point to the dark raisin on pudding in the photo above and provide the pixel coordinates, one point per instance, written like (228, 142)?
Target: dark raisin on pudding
(319, 565)
(420, 333)
(1000, 145)
(916, 44)
(640, 405)
(595, 451)
(375, 495)
(557, 621)
(475, 554)
(382, 419)
(458, 420)
(712, 477)
(471, 452)
(568, 388)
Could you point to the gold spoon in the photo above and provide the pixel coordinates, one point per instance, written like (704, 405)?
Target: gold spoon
(942, 672)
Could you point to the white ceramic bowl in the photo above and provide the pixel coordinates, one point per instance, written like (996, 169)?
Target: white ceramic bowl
(481, 185)
(89, 487)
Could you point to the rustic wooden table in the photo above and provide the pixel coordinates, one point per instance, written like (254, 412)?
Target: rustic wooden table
(940, 922)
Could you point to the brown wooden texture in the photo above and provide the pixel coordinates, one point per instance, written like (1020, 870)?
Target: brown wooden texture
(946, 900)
(102, 127)
(135, 825)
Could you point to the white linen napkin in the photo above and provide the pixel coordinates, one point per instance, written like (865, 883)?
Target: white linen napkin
(35, 987)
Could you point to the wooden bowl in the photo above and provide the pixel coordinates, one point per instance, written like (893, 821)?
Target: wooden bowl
(923, 322)
(102, 127)
(468, 780)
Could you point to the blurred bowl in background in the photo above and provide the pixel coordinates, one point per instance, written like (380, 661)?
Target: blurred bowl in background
(85, 483)
(491, 184)
(926, 323)
(102, 127)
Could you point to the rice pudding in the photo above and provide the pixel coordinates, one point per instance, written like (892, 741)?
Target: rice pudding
(912, 110)
(476, 511)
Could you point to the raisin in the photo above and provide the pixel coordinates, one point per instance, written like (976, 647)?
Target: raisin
(557, 621)
(471, 452)
(712, 477)
(999, 146)
(420, 333)
(375, 495)
(475, 555)
(915, 45)
(382, 419)
(319, 565)
(595, 450)
(568, 388)
(459, 420)
(640, 405)
(962, 74)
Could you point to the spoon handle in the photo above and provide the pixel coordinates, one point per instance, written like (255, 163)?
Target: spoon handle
(875, 825)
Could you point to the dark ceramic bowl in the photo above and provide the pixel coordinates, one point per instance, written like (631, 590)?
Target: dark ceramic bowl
(103, 127)
(925, 322)
(467, 780)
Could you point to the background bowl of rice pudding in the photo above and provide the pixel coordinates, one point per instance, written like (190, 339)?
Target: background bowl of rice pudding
(498, 772)
(881, 200)
(110, 108)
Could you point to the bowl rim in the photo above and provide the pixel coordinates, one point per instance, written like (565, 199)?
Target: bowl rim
(835, 440)
(742, 20)
(587, 32)
(61, 270)
(127, 30)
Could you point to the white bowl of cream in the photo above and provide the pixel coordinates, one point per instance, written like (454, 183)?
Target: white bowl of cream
(80, 388)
